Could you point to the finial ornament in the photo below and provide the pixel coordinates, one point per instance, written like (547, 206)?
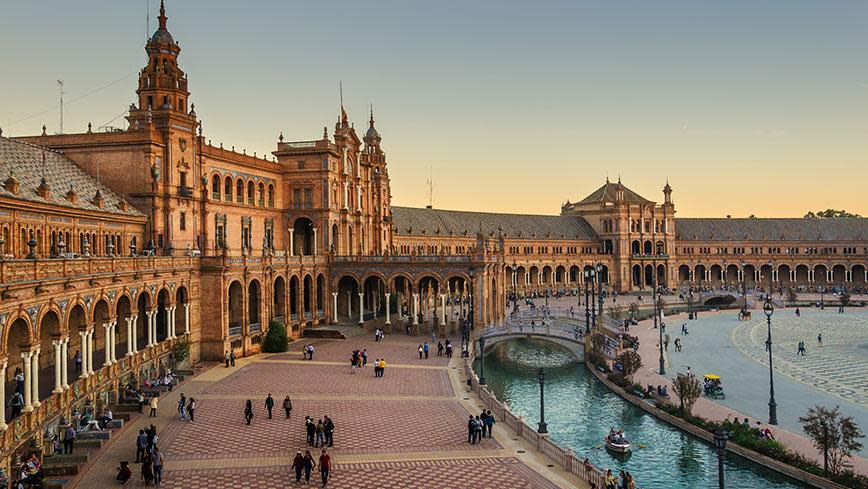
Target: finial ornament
(162, 15)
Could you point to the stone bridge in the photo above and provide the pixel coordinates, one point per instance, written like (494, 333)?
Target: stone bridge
(568, 335)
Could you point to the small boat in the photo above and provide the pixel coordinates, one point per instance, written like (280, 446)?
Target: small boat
(617, 447)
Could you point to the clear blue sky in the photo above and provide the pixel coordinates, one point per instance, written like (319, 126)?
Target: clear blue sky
(747, 107)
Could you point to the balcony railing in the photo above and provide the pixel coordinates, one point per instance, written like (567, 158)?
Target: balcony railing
(235, 330)
(254, 327)
(186, 192)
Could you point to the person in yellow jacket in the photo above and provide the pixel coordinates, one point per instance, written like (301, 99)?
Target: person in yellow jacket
(382, 366)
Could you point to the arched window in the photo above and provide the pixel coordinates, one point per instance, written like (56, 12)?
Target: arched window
(227, 189)
(261, 195)
(239, 191)
(215, 187)
(271, 196)
(250, 193)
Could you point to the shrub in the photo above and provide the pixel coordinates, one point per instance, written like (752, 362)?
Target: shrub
(181, 351)
(276, 340)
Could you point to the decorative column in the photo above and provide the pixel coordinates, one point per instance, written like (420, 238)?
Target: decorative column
(291, 241)
(361, 307)
(388, 307)
(334, 307)
(150, 321)
(26, 356)
(90, 343)
(135, 339)
(442, 309)
(108, 349)
(58, 352)
(314, 242)
(3, 424)
(187, 318)
(415, 308)
(83, 351)
(172, 322)
(129, 320)
(34, 370)
(114, 330)
(64, 356)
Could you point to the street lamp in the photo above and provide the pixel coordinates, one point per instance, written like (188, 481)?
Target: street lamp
(662, 367)
(587, 304)
(769, 309)
(599, 268)
(542, 412)
(514, 287)
(592, 277)
(744, 285)
(482, 360)
(720, 438)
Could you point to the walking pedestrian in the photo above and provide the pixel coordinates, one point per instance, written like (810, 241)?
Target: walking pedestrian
(182, 407)
(298, 466)
(820, 339)
(226, 358)
(320, 434)
(439, 349)
(489, 422)
(248, 411)
(77, 361)
(148, 469)
(309, 464)
(364, 357)
(329, 431)
(191, 408)
(269, 404)
(287, 406)
(141, 444)
(310, 427)
(141, 400)
(477, 430)
(157, 458)
(232, 358)
(382, 367)
(154, 402)
(425, 348)
(16, 404)
(420, 352)
(325, 465)
(470, 426)
(68, 440)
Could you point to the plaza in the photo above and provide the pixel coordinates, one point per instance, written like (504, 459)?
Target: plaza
(134, 255)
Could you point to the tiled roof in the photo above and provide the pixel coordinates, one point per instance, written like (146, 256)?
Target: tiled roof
(795, 229)
(436, 222)
(24, 161)
(609, 193)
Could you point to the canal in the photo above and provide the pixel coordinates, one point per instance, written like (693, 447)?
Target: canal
(580, 411)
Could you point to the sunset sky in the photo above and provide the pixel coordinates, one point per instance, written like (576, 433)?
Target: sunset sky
(747, 107)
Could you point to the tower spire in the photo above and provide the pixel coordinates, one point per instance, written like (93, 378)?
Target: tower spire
(162, 15)
(372, 115)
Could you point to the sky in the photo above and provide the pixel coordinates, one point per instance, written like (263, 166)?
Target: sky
(746, 107)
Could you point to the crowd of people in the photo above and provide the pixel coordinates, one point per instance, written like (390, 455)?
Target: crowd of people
(479, 427)
(148, 454)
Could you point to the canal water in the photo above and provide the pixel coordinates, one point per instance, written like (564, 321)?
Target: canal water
(580, 411)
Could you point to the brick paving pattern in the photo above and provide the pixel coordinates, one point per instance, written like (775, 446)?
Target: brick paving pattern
(260, 378)
(399, 349)
(361, 427)
(435, 474)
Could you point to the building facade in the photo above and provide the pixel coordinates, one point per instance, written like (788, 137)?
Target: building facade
(120, 247)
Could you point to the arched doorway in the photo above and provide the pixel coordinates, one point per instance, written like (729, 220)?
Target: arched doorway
(683, 274)
(123, 311)
(308, 297)
(293, 299)
(303, 236)
(429, 292)
(162, 315)
(279, 300)
(144, 306)
(320, 295)
(100, 339)
(49, 331)
(254, 301)
(374, 290)
(236, 308)
(17, 341)
(181, 311)
(348, 292)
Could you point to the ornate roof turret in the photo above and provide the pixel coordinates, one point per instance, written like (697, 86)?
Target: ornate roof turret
(162, 34)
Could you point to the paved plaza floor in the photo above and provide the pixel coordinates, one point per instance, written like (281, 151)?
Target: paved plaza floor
(405, 430)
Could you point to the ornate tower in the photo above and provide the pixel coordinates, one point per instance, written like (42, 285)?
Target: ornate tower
(381, 205)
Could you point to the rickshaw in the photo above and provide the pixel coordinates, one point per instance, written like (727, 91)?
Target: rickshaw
(712, 387)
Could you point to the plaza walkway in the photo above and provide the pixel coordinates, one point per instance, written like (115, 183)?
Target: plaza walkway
(742, 379)
(407, 429)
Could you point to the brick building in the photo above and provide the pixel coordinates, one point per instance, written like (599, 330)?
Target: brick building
(121, 245)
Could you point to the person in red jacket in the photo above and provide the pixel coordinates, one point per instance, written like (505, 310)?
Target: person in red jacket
(325, 465)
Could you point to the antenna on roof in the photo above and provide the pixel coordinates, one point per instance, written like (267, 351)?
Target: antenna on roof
(60, 88)
(430, 189)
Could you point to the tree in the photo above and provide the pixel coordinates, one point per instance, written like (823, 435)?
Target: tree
(688, 390)
(752, 216)
(275, 340)
(634, 310)
(792, 295)
(830, 214)
(834, 435)
(844, 298)
(630, 362)
(615, 311)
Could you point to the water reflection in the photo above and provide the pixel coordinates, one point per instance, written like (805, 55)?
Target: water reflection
(580, 411)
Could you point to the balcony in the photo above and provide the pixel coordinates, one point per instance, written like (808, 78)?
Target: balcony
(234, 330)
(661, 256)
(187, 192)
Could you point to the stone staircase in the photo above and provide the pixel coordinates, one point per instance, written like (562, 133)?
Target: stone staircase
(59, 469)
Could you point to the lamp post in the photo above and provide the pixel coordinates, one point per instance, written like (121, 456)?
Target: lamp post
(514, 287)
(662, 367)
(822, 298)
(542, 408)
(720, 444)
(592, 276)
(599, 270)
(482, 360)
(769, 309)
(587, 306)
